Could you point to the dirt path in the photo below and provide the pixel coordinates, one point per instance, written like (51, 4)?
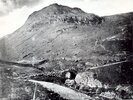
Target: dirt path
(110, 64)
(64, 92)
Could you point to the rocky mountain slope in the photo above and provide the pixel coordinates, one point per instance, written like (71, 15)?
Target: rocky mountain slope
(58, 31)
(72, 38)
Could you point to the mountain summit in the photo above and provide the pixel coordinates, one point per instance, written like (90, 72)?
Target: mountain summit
(58, 13)
(60, 9)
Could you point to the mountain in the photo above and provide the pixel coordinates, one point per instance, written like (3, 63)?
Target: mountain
(58, 31)
(61, 33)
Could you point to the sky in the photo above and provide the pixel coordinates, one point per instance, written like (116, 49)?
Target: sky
(13, 13)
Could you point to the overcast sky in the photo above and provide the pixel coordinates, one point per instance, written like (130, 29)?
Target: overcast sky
(13, 13)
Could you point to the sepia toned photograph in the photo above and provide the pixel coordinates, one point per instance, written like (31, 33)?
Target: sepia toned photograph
(66, 49)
